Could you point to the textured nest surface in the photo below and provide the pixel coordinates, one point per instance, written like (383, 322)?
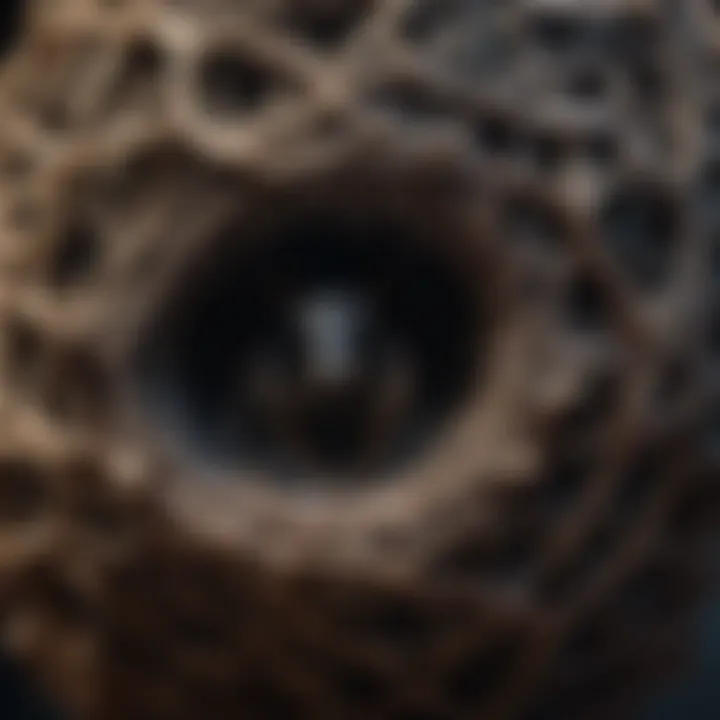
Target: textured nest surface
(536, 556)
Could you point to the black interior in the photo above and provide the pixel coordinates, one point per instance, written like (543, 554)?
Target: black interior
(12, 17)
(19, 698)
(243, 310)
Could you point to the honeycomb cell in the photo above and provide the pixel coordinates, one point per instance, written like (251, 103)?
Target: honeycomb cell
(233, 85)
(641, 226)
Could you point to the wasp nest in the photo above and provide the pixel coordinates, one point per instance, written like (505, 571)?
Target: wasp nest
(357, 357)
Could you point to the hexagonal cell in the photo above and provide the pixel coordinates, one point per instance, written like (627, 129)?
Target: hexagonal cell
(326, 23)
(641, 225)
(233, 83)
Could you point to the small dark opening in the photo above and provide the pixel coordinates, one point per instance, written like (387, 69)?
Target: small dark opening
(143, 60)
(328, 24)
(562, 483)
(559, 33)
(428, 17)
(76, 256)
(231, 83)
(641, 226)
(325, 348)
(587, 305)
(138, 81)
(496, 135)
(587, 85)
(649, 81)
(23, 492)
(23, 345)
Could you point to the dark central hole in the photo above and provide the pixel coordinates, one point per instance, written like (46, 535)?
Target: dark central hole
(324, 349)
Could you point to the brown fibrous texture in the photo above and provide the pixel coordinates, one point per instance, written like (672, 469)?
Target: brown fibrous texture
(539, 558)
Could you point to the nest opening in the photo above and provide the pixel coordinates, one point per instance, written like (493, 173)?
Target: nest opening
(322, 346)
(233, 83)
